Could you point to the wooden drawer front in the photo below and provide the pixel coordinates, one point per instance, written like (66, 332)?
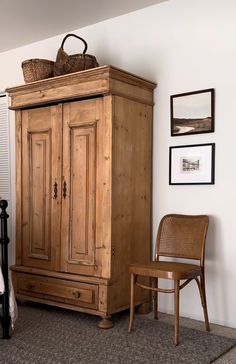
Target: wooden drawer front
(73, 293)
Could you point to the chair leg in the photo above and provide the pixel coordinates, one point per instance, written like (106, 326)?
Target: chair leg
(155, 298)
(133, 278)
(202, 291)
(176, 299)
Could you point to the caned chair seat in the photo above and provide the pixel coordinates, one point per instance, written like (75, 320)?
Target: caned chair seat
(182, 237)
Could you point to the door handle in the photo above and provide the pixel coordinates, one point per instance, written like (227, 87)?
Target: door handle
(55, 190)
(64, 189)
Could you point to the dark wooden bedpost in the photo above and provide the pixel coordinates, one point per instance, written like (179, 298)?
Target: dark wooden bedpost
(4, 240)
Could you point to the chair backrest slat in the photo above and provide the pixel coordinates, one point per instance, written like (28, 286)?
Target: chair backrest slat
(182, 236)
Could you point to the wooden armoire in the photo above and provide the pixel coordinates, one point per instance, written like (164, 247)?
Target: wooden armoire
(83, 188)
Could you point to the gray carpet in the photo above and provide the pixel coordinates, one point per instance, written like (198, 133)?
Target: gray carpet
(47, 335)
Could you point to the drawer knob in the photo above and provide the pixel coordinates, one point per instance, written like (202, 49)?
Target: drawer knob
(76, 294)
(30, 286)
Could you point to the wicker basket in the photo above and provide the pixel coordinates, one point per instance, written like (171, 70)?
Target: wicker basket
(37, 69)
(77, 62)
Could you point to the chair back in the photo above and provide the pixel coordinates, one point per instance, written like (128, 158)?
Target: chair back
(182, 236)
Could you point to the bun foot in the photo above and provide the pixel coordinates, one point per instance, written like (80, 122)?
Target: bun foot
(105, 323)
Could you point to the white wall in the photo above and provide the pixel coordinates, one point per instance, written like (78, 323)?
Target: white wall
(184, 45)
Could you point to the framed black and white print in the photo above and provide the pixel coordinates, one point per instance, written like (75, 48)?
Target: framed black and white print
(192, 112)
(192, 164)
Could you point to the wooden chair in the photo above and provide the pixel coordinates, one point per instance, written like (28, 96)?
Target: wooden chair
(179, 236)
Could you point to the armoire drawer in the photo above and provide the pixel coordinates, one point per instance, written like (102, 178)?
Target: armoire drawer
(58, 290)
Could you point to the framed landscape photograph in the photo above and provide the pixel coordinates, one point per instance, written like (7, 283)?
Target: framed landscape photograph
(192, 164)
(192, 112)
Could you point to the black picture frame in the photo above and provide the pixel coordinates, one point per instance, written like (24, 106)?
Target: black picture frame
(193, 112)
(192, 164)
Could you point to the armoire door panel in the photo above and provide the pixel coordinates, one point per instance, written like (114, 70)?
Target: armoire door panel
(39, 144)
(41, 154)
(82, 128)
(82, 191)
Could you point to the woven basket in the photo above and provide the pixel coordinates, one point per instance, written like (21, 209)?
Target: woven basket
(77, 62)
(37, 69)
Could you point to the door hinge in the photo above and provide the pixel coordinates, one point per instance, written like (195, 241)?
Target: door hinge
(113, 251)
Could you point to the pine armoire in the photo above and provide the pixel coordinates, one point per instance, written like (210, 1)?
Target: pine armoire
(83, 189)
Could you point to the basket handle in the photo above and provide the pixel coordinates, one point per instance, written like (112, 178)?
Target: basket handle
(76, 36)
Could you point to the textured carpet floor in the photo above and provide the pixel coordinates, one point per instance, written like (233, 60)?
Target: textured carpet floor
(46, 335)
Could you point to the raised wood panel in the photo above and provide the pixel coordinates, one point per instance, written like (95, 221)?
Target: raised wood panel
(82, 196)
(83, 165)
(40, 185)
(41, 144)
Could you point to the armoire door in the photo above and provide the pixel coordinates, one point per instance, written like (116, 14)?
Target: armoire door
(41, 187)
(82, 244)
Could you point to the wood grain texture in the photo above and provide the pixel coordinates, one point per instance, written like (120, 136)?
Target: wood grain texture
(131, 193)
(83, 188)
(82, 129)
(92, 82)
(40, 170)
(59, 275)
(18, 136)
(59, 290)
(104, 193)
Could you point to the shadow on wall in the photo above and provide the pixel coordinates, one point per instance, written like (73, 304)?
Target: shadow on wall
(216, 271)
(211, 239)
